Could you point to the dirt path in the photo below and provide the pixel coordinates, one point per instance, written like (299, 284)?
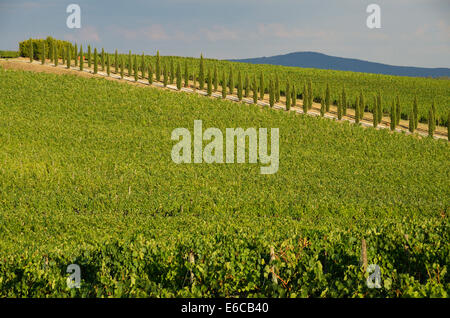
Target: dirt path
(49, 67)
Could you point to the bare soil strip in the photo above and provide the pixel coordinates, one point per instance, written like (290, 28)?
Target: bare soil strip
(49, 67)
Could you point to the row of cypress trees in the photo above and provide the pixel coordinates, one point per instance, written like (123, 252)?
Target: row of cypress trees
(174, 74)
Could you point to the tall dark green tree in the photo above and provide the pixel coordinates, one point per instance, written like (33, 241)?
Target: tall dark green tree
(240, 85)
(102, 59)
(89, 56)
(216, 79)
(108, 65)
(398, 111)
(288, 95)
(339, 107)
(362, 105)
(323, 107)
(201, 73)
(224, 85)
(43, 53)
(431, 121)
(81, 58)
(344, 101)
(277, 88)
(379, 108)
(305, 98)
(63, 55)
(158, 67)
(294, 96)
(247, 86)
(143, 66)
(209, 83)
(56, 55)
(327, 98)
(357, 110)
(121, 67)
(76, 55)
(31, 51)
(150, 73)
(166, 75)
(95, 61)
(310, 94)
(415, 113)
(255, 90)
(411, 122)
(194, 81)
(393, 115)
(130, 63)
(172, 71)
(231, 81)
(271, 93)
(261, 86)
(116, 62)
(68, 59)
(186, 74)
(136, 69)
(448, 125)
(375, 112)
(179, 76)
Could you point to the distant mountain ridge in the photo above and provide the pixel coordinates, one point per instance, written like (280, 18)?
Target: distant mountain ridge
(323, 61)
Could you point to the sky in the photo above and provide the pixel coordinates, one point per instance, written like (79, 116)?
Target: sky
(412, 33)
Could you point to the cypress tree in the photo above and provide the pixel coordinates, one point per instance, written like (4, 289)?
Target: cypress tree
(310, 94)
(362, 105)
(305, 98)
(375, 113)
(201, 73)
(150, 73)
(261, 86)
(89, 56)
(411, 122)
(433, 117)
(172, 72)
(277, 89)
(186, 74)
(166, 75)
(136, 69)
(294, 96)
(255, 90)
(344, 101)
(76, 55)
(271, 93)
(108, 65)
(63, 55)
(179, 76)
(379, 108)
(398, 111)
(95, 61)
(68, 59)
(224, 86)
(431, 121)
(357, 110)
(322, 106)
(247, 85)
(327, 98)
(30, 51)
(143, 65)
(288, 95)
(102, 60)
(81, 58)
(130, 72)
(158, 67)
(209, 87)
(43, 53)
(448, 126)
(415, 113)
(216, 79)
(231, 81)
(194, 80)
(339, 107)
(56, 55)
(239, 88)
(116, 62)
(393, 116)
(121, 67)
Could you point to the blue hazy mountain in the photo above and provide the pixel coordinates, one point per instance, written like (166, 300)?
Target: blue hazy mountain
(327, 62)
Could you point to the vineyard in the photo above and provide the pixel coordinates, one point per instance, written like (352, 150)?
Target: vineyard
(87, 178)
